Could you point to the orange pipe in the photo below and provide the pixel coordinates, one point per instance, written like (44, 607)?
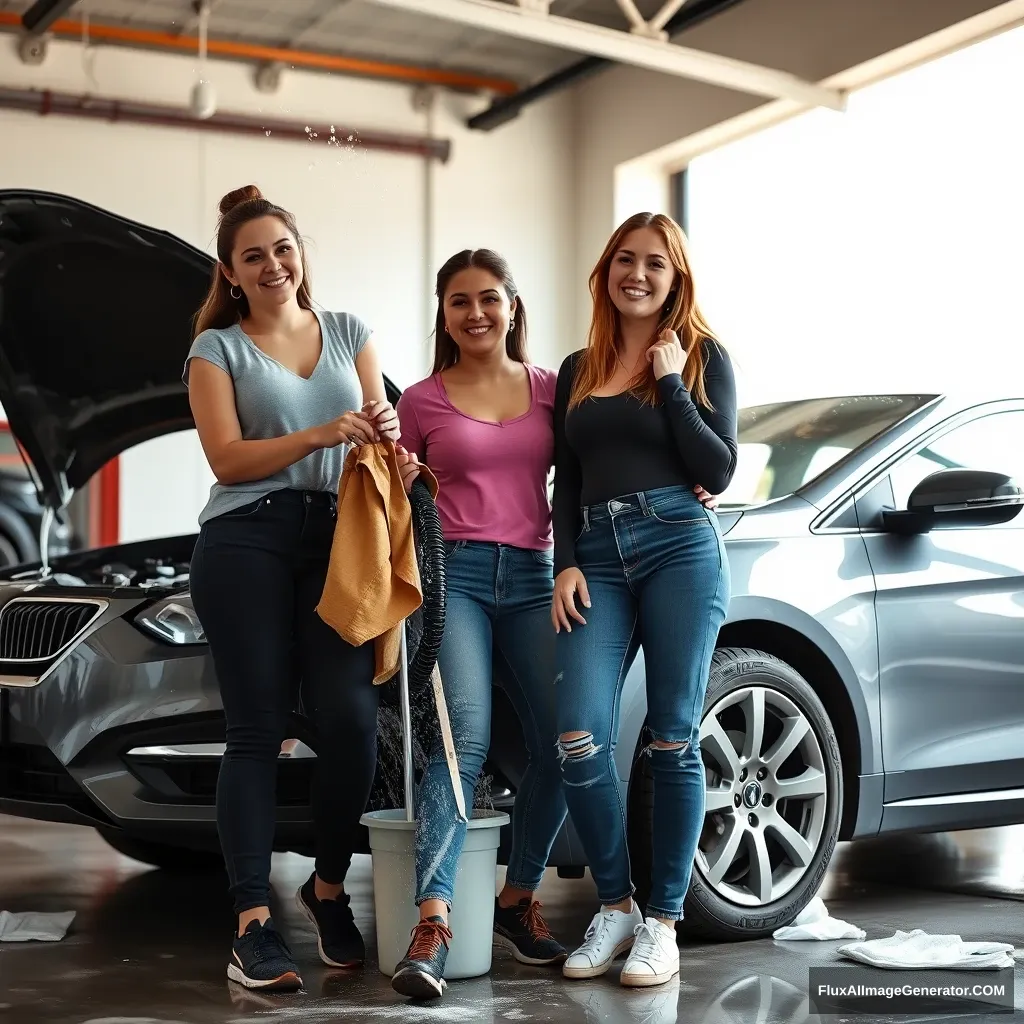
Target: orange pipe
(269, 54)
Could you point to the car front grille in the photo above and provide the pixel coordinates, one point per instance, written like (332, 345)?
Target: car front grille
(36, 629)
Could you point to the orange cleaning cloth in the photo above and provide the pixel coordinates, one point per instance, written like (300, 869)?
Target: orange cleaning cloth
(373, 579)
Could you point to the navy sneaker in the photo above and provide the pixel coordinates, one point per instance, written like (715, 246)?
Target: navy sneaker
(421, 974)
(524, 933)
(337, 937)
(261, 959)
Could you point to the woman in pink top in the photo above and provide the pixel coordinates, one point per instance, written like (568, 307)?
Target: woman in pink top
(483, 423)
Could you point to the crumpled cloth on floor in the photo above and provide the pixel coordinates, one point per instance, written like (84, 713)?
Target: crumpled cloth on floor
(34, 927)
(813, 923)
(917, 950)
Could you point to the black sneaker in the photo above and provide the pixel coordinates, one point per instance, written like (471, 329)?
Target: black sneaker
(421, 974)
(337, 937)
(261, 959)
(524, 933)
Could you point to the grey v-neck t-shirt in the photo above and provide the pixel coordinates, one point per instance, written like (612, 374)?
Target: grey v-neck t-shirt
(273, 401)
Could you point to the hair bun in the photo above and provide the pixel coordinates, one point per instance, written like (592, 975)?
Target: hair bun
(245, 194)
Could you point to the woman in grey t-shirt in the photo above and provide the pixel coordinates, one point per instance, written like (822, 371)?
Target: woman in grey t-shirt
(279, 393)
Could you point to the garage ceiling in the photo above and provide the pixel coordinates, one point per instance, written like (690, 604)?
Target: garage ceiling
(498, 47)
(360, 28)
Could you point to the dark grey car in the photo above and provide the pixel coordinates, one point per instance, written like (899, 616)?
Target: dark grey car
(867, 678)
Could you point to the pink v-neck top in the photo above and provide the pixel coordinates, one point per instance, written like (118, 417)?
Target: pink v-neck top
(492, 477)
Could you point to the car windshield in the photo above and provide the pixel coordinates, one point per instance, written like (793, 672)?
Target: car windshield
(786, 445)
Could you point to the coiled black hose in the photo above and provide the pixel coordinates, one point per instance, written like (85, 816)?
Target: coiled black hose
(424, 633)
(429, 618)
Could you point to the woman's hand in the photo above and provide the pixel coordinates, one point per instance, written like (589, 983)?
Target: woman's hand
(408, 466)
(384, 419)
(667, 355)
(707, 500)
(354, 428)
(568, 584)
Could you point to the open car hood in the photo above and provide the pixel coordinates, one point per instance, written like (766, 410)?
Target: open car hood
(96, 317)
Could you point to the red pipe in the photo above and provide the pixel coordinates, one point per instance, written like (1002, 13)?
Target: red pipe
(109, 525)
(70, 105)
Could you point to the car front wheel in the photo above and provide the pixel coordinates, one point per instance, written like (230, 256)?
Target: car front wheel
(773, 800)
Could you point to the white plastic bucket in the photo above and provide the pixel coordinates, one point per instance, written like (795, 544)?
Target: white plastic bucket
(393, 848)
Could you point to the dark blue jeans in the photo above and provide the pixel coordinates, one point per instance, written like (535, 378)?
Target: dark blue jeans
(499, 601)
(656, 569)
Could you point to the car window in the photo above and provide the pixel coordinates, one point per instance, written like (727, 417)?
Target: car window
(993, 443)
(783, 446)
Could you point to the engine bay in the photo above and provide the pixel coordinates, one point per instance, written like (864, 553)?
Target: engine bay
(156, 565)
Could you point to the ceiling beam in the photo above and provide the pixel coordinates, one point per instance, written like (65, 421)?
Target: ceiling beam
(652, 54)
(43, 13)
(506, 108)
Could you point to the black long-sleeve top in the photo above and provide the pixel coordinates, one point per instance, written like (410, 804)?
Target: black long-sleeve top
(610, 447)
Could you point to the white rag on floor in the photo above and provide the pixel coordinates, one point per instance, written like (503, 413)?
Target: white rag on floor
(917, 950)
(31, 927)
(814, 923)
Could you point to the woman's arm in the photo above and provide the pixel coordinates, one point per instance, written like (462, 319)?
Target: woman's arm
(375, 399)
(565, 509)
(706, 439)
(234, 460)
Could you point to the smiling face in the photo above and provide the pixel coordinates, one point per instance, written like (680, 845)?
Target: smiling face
(266, 262)
(641, 275)
(477, 312)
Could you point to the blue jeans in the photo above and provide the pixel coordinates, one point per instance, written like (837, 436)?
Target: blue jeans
(499, 600)
(656, 569)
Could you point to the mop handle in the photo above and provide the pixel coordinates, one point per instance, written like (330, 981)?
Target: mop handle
(410, 796)
(449, 742)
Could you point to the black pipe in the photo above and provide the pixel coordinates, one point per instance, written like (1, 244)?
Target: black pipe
(509, 107)
(43, 13)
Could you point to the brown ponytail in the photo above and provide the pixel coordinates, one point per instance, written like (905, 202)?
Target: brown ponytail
(220, 308)
(446, 352)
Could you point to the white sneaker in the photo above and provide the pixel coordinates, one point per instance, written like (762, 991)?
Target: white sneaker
(654, 958)
(610, 934)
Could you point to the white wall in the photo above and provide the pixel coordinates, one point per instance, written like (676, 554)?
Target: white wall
(626, 115)
(363, 212)
(880, 250)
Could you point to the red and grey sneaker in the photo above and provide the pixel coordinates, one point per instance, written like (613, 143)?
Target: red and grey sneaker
(524, 933)
(261, 959)
(421, 974)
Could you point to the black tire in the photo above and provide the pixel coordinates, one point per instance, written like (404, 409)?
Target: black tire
(9, 554)
(175, 859)
(707, 914)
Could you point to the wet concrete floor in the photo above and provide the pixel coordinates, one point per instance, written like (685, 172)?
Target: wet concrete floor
(148, 947)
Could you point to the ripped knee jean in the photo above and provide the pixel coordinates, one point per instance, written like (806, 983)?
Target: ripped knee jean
(658, 581)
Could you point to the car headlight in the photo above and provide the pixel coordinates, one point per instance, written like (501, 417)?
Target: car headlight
(173, 620)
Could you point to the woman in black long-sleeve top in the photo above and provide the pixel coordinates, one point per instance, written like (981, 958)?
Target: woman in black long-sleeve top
(642, 415)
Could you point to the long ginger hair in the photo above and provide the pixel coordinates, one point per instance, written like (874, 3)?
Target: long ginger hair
(680, 314)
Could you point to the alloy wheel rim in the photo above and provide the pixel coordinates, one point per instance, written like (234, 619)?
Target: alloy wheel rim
(766, 796)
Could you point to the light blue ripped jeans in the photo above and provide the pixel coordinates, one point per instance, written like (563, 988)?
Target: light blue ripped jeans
(499, 599)
(658, 578)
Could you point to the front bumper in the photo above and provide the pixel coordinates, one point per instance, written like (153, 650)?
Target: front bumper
(125, 732)
(108, 737)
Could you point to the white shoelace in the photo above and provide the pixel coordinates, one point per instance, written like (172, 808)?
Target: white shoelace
(647, 944)
(595, 933)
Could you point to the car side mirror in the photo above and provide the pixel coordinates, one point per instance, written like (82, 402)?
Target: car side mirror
(957, 497)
